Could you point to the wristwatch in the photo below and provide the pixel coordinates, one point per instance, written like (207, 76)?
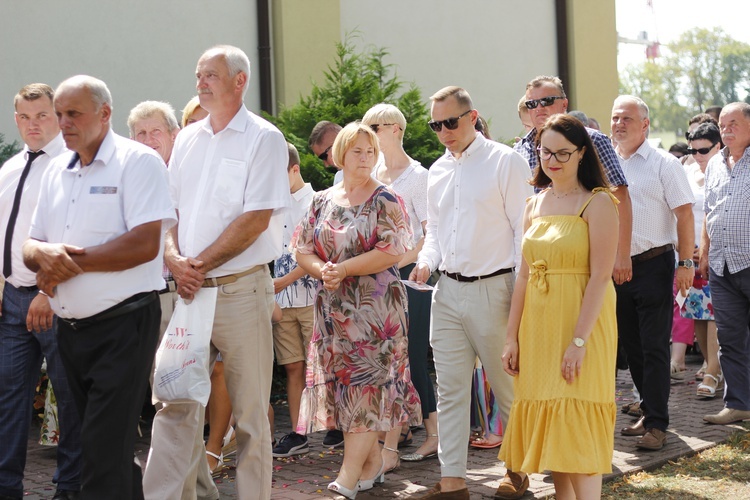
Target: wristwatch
(688, 264)
(578, 341)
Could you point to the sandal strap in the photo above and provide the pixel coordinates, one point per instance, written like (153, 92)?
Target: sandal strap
(211, 454)
(714, 378)
(394, 450)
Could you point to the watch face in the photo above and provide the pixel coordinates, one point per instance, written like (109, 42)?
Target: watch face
(578, 342)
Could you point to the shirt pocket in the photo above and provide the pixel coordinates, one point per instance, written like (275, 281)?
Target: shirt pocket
(229, 188)
(103, 214)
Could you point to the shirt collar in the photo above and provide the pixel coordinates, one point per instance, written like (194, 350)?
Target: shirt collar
(104, 155)
(302, 192)
(238, 122)
(51, 149)
(530, 136)
(478, 142)
(644, 150)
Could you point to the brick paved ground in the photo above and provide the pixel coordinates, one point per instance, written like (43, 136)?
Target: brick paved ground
(306, 477)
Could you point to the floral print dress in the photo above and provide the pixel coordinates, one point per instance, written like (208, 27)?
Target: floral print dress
(358, 377)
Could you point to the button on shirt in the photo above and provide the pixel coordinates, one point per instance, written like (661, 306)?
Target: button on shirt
(125, 186)
(301, 293)
(215, 178)
(658, 184)
(475, 210)
(727, 209)
(607, 155)
(10, 175)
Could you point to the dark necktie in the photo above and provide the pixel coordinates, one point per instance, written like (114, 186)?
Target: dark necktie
(14, 212)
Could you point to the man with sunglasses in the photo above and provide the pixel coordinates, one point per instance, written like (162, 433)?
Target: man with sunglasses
(662, 217)
(321, 142)
(476, 196)
(725, 246)
(545, 97)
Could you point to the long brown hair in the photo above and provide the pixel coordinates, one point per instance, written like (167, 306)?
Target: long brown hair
(590, 171)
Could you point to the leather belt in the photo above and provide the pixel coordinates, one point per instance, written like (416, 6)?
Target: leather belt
(28, 289)
(128, 305)
(230, 278)
(650, 254)
(469, 279)
(171, 287)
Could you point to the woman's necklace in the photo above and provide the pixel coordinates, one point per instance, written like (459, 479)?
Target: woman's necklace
(560, 197)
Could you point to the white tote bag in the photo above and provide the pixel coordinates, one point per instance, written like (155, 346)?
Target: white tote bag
(181, 373)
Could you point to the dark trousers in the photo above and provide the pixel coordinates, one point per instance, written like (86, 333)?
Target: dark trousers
(731, 299)
(21, 354)
(419, 344)
(108, 364)
(644, 326)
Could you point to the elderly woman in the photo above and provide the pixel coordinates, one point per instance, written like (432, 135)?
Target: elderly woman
(358, 380)
(705, 143)
(408, 178)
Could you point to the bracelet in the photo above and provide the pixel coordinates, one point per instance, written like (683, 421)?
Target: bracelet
(42, 293)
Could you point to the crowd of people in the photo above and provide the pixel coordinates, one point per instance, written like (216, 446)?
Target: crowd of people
(539, 263)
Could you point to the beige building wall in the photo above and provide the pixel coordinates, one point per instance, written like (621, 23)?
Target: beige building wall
(305, 34)
(593, 84)
(489, 47)
(142, 49)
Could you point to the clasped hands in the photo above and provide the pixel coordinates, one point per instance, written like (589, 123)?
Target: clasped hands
(56, 265)
(332, 275)
(188, 274)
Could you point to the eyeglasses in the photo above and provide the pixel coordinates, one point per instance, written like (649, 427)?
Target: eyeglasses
(450, 123)
(324, 155)
(703, 151)
(375, 126)
(560, 156)
(544, 101)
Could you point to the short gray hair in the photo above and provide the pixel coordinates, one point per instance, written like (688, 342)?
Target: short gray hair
(642, 106)
(97, 88)
(237, 61)
(147, 109)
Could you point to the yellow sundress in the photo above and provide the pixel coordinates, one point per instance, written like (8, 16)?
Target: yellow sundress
(553, 425)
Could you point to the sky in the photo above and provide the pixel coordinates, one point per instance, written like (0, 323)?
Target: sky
(670, 18)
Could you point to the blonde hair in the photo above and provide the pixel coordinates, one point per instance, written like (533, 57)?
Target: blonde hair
(190, 108)
(385, 113)
(347, 137)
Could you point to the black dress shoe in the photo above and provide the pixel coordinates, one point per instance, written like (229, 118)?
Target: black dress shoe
(66, 495)
(637, 429)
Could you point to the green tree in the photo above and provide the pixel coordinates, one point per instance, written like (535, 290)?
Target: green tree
(715, 67)
(7, 149)
(353, 84)
(702, 68)
(658, 85)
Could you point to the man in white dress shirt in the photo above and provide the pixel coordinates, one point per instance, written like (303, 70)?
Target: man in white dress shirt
(476, 198)
(662, 217)
(28, 330)
(229, 183)
(96, 245)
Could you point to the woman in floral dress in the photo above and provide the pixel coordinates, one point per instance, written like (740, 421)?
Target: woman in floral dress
(358, 376)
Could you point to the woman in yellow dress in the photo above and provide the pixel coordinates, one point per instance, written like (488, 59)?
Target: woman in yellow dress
(562, 331)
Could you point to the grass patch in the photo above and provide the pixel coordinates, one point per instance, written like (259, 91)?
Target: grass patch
(718, 473)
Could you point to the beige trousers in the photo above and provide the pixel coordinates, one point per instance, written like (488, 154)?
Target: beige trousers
(242, 333)
(467, 320)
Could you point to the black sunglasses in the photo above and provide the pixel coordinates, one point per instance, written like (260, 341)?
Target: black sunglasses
(450, 123)
(324, 155)
(703, 151)
(544, 101)
(376, 126)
